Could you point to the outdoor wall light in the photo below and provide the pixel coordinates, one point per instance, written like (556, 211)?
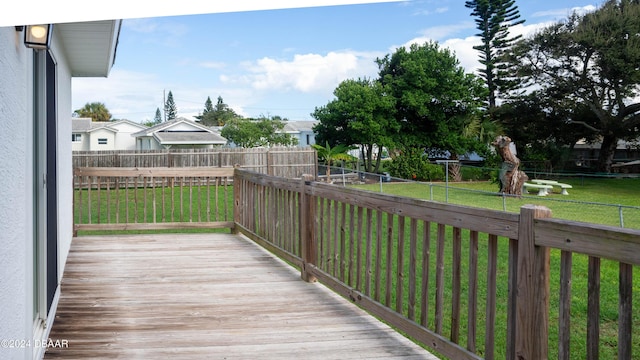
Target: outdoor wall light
(38, 36)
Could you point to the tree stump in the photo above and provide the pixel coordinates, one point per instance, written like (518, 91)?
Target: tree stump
(510, 177)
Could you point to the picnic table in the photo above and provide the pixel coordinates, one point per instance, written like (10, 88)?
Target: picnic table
(553, 183)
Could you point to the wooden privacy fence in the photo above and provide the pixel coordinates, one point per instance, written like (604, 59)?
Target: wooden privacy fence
(290, 162)
(416, 264)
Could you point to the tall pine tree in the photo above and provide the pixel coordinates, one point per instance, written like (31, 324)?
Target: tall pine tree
(157, 119)
(170, 108)
(493, 19)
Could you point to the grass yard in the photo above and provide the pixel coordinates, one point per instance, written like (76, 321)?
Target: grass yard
(600, 201)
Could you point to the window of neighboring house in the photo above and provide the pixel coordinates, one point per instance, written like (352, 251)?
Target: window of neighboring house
(76, 137)
(102, 141)
(308, 138)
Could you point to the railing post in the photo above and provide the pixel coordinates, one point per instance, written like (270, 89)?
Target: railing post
(532, 288)
(307, 228)
(237, 201)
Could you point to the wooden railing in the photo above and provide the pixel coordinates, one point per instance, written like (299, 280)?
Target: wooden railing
(416, 265)
(152, 198)
(445, 275)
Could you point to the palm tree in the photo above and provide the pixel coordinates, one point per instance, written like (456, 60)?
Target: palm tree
(330, 154)
(97, 111)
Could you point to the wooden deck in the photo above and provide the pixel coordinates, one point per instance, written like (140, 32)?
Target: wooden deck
(215, 296)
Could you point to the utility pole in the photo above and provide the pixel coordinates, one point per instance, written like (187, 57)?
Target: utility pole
(164, 105)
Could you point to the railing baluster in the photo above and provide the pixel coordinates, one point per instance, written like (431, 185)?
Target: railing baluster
(413, 240)
(456, 288)
(378, 272)
(440, 279)
(368, 252)
(359, 249)
(472, 289)
(388, 288)
(564, 311)
(426, 254)
(593, 309)
(400, 266)
(625, 315)
(492, 270)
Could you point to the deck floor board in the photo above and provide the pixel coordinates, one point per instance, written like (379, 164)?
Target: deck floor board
(213, 296)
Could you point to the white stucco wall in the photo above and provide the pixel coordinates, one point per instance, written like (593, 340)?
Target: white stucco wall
(82, 145)
(17, 184)
(16, 202)
(124, 140)
(102, 134)
(65, 166)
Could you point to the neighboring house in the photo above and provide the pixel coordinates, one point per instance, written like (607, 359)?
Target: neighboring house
(104, 135)
(36, 213)
(179, 133)
(585, 154)
(302, 130)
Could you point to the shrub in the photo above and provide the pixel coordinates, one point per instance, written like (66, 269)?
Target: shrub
(414, 165)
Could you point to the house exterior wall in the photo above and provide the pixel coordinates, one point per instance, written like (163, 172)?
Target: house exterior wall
(16, 203)
(17, 181)
(64, 160)
(83, 144)
(97, 135)
(148, 143)
(124, 140)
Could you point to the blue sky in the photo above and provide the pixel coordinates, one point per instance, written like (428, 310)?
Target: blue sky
(280, 62)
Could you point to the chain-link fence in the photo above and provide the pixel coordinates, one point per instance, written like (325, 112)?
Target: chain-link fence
(486, 194)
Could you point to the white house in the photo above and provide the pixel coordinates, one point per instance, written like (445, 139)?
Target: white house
(36, 173)
(178, 133)
(301, 130)
(90, 135)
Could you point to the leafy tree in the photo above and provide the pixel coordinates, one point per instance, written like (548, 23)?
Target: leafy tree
(249, 133)
(97, 111)
(170, 108)
(360, 115)
(157, 119)
(542, 128)
(217, 115)
(591, 60)
(435, 99)
(493, 19)
(330, 154)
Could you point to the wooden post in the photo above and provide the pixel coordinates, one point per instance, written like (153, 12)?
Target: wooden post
(307, 228)
(532, 288)
(237, 201)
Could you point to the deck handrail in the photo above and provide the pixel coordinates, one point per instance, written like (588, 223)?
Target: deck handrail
(392, 255)
(335, 234)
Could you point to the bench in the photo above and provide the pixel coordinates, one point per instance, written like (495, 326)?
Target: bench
(543, 189)
(562, 186)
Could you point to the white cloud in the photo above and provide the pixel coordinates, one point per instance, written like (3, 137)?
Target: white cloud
(121, 92)
(310, 72)
(558, 14)
(439, 33)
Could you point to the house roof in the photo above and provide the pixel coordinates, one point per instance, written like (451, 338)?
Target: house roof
(182, 131)
(175, 123)
(299, 126)
(86, 125)
(90, 46)
(187, 137)
(80, 124)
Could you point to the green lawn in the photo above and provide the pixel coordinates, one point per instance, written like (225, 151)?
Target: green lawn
(601, 201)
